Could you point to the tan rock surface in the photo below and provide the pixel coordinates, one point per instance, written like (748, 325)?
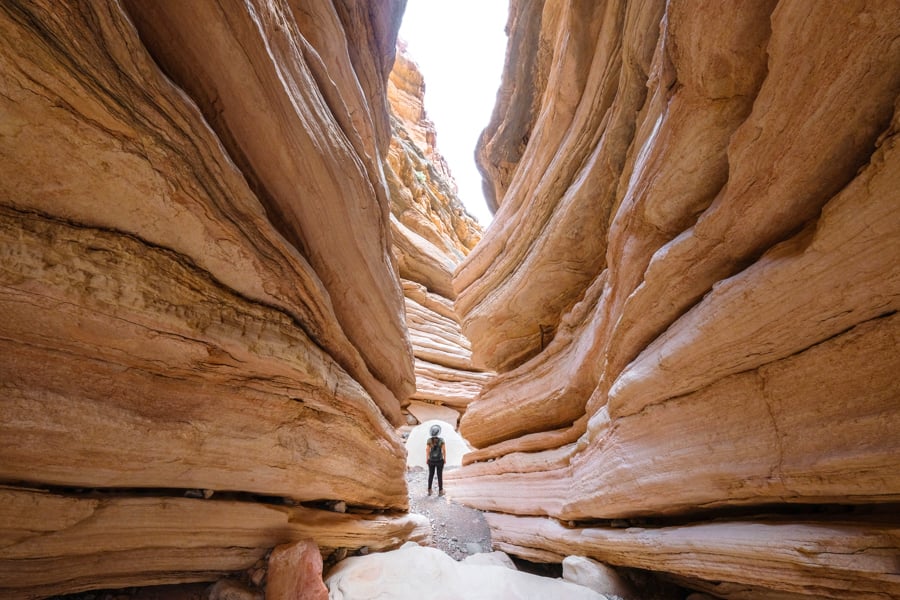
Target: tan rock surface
(446, 385)
(425, 411)
(303, 135)
(726, 336)
(436, 338)
(789, 560)
(195, 299)
(431, 233)
(165, 379)
(53, 543)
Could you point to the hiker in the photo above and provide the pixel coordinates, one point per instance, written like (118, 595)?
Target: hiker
(436, 454)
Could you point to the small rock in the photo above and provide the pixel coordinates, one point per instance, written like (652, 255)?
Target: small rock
(229, 589)
(257, 575)
(473, 548)
(596, 576)
(338, 555)
(193, 493)
(208, 494)
(340, 507)
(364, 550)
(295, 571)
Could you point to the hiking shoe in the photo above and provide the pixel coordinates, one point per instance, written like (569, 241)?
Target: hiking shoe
(429, 492)
(441, 493)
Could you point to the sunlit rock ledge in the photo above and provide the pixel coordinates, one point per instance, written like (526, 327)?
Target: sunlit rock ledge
(690, 291)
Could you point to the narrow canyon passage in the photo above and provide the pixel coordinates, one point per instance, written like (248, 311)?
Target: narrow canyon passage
(235, 276)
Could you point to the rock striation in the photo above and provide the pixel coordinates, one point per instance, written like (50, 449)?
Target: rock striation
(432, 234)
(204, 333)
(690, 292)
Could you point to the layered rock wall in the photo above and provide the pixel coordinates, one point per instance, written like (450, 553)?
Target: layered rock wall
(432, 233)
(690, 290)
(204, 340)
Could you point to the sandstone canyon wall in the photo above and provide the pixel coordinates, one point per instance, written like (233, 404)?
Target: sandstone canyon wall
(204, 333)
(432, 233)
(690, 291)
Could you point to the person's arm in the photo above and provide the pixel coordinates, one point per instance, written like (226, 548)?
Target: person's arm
(444, 451)
(427, 450)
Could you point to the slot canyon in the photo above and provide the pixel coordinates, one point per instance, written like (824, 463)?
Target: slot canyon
(235, 273)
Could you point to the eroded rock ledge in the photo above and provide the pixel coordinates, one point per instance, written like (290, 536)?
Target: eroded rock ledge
(690, 291)
(199, 288)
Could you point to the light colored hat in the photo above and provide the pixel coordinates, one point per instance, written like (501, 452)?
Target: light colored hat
(435, 429)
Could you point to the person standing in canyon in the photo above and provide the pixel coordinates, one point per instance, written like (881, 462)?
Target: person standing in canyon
(436, 454)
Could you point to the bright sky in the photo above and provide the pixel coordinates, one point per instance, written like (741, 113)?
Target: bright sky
(459, 46)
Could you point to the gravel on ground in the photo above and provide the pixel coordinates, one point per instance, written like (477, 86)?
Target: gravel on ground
(458, 530)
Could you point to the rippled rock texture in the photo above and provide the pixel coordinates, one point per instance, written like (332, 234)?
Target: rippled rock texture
(690, 291)
(204, 332)
(432, 234)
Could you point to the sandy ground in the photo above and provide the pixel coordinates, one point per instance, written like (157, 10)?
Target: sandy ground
(458, 530)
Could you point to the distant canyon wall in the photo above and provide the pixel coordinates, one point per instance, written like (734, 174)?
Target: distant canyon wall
(690, 291)
(432, 234)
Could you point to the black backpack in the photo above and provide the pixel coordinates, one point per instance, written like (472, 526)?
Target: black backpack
(435, 453)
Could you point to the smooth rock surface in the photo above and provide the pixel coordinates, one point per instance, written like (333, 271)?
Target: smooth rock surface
(424, 411)
(690, 287)
(597, 576)
(414, 572)
(295, 572)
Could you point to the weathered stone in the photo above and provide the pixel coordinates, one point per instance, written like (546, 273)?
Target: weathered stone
(107, 407)
(725, 337)
(425, 411)
(423, 194)
(229, 589)
(182, 287)
(832, 560)
(543, 248)
(281, 131)
(431, 234)
(436, 338)
(53, 543)
(295, 572)
(445, 385)
(399, 575)
(597, 576)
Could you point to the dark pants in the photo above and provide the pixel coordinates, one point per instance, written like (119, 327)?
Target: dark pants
(439, 467)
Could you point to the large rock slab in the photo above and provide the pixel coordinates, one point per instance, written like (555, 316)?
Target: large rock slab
(54, 543)
(789, 560)
(186, 201)
(732, 348)
(153, 376)
(399, 575)
(304, 133)
(436, 338)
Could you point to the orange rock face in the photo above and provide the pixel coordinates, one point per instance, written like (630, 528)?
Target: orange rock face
(203, 314)
(690, 290)
(432, 234)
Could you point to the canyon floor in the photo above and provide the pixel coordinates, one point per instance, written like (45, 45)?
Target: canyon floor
(458, 530)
